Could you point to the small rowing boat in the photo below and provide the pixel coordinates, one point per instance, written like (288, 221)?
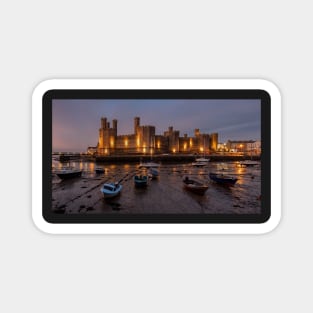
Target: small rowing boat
(110, 190)
(223, 179)
(247, 164)
(68, 172)
(202, 160)
(195, 186)
(153, 173)
(148, 165)
(199, 164)
(141, 180)
(100, 170)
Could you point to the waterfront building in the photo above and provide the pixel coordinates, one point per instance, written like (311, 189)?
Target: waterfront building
(221, 147)
(144, 140)
(255, 147)
(244, 146)
(92, 150)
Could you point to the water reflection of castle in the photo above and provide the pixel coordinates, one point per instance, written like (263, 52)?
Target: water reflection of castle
(144, 140)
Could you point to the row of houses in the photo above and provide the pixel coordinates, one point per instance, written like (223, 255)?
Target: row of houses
(252, 147)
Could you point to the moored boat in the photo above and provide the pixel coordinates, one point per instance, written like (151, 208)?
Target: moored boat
(199, 164)
(223, 179)
(148, 165)
(110, 190)
(153, 173)
(195, 186)
(247, 163)
(141, 180)
(68, 172)
(202, 160)
(99, 170)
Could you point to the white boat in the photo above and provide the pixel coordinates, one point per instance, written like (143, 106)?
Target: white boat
(110, 190)
(202, 160)
(199, 164)
(148, 165)
(247, 163)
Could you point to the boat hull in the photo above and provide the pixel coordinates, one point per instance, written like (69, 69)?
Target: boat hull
(199, 164)
(197, 190)
(227, 181)
(115, 191)
(100, 170)
(69, 175)
(195, 186)
(153, 173)
(141, 181)
(247, 164)
(202, 160)
(148, 165)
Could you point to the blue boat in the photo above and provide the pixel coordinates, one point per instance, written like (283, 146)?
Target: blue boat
(110, 190)
(223, 179)
(153, 173)
(141, 180)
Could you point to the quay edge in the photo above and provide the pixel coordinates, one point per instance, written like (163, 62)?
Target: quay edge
(156, 158)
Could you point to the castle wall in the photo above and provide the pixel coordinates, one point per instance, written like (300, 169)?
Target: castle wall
(161, 144)
(144, 140)
(174, 141)
(126, 144)
(107, 140)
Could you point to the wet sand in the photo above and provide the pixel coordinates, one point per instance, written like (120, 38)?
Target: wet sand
(162, 195)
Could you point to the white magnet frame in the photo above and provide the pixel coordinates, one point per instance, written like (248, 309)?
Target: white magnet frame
(147, 228)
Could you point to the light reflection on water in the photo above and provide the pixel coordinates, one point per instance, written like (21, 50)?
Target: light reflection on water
(166, 194)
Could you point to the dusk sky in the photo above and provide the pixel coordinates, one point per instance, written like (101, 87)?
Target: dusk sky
(76, 123)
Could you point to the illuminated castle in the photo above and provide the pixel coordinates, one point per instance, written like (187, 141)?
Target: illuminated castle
(144, 140)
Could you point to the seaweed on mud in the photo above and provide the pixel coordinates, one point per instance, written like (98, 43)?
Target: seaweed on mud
(60, 209)
(115, 206)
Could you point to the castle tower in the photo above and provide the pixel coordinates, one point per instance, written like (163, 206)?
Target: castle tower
(136, 124)
(197, 132)
(101, 141)
(213, 141)
(103, 122)
(114, 126)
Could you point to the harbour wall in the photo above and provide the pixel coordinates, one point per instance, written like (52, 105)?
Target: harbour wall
(156, 158)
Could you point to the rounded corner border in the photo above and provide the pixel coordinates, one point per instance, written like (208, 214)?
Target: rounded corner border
(44, 86)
